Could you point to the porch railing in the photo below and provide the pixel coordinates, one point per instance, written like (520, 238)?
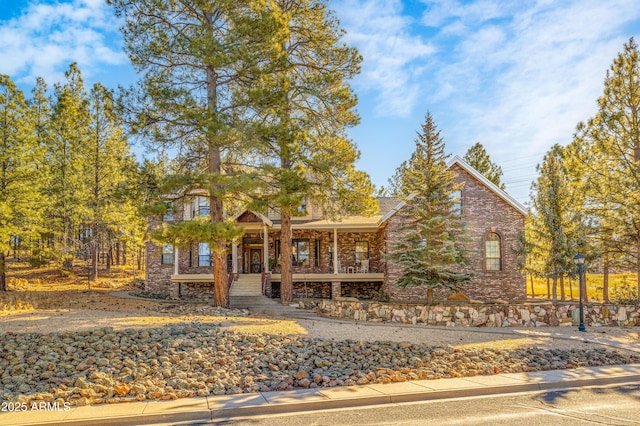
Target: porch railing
(230, 280)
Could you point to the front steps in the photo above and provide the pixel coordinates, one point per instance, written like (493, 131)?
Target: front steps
(247, 285)
(246, 293)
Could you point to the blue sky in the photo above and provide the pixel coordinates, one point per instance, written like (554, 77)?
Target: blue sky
(516, 76)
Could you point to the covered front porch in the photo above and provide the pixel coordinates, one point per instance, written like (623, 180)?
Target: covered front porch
(317, 247)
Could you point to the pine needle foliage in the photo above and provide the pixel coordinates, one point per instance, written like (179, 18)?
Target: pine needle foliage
(431, 249)
(477, 157)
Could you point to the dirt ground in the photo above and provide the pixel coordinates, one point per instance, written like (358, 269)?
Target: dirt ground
(68, 309)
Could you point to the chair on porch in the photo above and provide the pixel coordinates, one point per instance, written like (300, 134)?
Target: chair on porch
(364, 266)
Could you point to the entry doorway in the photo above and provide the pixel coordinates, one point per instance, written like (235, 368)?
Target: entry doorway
(253, 261)
(256, 261)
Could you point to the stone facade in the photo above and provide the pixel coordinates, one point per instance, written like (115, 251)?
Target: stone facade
(483, 212)
(329, 290)
(503, 315)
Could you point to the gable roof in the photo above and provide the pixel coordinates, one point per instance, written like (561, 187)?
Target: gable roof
(456, 160)
(486, 182)
(265, 220)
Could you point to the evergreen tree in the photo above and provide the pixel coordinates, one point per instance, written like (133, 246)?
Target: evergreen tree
(305, 106)
(431, 250)
(616, 132)
(606, 163)
(558, 221)
(17, 167)
(36, 231)
(66, 188)
(107, 169)
(478, 158)
(194, 58)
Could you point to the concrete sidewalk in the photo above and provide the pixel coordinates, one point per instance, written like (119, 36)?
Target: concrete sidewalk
(256, 404)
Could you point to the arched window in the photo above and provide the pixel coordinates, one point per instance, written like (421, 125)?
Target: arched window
(493, 252)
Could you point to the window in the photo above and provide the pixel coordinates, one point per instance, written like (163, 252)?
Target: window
(316, 253)
(302, 208)
(204, 254)
(456, 199)
(167, 254)
(300, 252)
(203, 206)
(277, 252)
(168, 216)
(362, 251)
(492, 252)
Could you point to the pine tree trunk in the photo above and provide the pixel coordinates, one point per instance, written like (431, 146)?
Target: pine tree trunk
(94, 262)
(220, 277)
(3, 273)
(124, 253)
(605, 279)
(548, 288)
(638, 263)
(562, 296)
(554, 297)
(570, 288)
(109, 252)
(286, 283)
(117, 258)
(585, 296)
(140, 259)
(533, 290)
(430, 295)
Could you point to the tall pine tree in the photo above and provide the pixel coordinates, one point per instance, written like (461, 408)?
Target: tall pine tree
(478, 158)
(431, 250)
(558, 221)
(68, 144)
(194, 58)
(108, 167)
(304, 110)
(17, 167)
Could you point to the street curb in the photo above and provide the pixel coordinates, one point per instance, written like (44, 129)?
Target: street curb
(218, 414)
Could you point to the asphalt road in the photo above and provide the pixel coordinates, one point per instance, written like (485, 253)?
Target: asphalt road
(610, 405)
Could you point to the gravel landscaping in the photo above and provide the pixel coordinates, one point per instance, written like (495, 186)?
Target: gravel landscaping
(106, 365)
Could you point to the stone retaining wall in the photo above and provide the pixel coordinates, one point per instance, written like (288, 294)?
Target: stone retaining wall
(521, 315)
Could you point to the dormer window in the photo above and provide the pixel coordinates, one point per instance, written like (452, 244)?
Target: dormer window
(303, 206)
(203, 206)
(168, 216)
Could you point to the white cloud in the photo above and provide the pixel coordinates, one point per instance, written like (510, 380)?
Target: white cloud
(440, 11)
(45, 38)
(392, 54)
(520, 76)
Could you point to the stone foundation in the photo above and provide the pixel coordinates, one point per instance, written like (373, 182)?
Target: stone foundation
(522, 315)
(329, 290)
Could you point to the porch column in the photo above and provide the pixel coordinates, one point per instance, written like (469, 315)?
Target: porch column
(234, 256)
(265, 252)
(335, 250)
(175, 260)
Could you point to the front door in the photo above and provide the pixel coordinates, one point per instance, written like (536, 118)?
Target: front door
(255, 256)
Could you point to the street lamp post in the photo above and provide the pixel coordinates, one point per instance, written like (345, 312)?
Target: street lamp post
(579, 260)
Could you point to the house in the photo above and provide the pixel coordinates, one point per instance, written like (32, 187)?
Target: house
(347, 257)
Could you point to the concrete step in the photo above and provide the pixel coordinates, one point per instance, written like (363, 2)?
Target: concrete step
(266, 306)
(247, 285)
